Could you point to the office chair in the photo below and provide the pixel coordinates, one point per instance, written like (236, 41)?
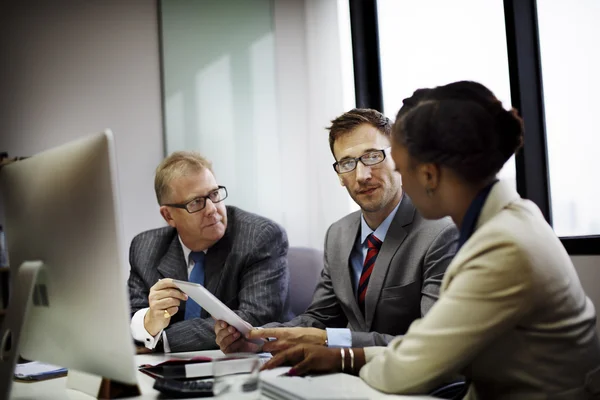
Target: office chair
(452, 391)
(305, 266)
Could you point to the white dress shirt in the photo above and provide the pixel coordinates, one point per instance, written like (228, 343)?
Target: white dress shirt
(139, 332)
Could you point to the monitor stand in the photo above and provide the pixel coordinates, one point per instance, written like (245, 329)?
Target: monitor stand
(10, 332)
(99, 387)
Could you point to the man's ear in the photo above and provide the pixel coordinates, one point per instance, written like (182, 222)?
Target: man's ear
(166, 214)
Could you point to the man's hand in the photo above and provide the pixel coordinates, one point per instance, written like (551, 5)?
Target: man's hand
(306, 358)
(288, 337)
(230, 340)
(164, 300)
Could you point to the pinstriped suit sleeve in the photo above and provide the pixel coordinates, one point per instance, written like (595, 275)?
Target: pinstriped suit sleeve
(138, 290)
(262, 295)
(324, 310)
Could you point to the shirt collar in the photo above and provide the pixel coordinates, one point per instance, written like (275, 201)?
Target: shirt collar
(186, 250)
(382, 229)
(472, 215)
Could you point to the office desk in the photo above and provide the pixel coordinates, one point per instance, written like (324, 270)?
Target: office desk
(55, 389)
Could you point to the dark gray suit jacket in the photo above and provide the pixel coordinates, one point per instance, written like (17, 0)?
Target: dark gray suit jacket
(247, 270)
(404, 284)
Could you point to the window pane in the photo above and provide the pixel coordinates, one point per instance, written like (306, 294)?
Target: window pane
(570, 55)
(220, 93)
(428, 43)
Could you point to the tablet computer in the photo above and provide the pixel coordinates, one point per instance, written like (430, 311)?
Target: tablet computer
(213, 306)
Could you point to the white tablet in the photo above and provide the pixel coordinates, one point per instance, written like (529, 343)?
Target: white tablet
(213, 306)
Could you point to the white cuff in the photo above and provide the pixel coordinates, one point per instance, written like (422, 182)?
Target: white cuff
(166, 347)
(339, 337)
(139, 332)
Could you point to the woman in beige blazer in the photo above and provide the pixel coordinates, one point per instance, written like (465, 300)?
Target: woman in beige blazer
(512, 315)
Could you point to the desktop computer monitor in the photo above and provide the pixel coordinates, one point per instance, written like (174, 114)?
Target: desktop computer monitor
(61, 207)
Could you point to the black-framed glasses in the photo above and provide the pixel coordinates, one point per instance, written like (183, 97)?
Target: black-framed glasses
(198, 203)
(370, 158)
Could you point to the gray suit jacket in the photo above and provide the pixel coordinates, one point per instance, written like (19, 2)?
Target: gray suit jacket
(404, 284)
(247, 270)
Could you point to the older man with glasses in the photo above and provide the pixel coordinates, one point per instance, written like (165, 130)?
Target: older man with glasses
(239, 257)
(383, 264)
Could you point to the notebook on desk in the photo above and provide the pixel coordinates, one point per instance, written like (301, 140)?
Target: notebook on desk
(197, 367)
(322, 387)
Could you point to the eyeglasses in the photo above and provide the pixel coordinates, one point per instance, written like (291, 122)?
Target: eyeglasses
(369, 158)
(198, 203)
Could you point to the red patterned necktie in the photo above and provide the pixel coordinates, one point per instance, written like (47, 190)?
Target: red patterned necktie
(373, 246)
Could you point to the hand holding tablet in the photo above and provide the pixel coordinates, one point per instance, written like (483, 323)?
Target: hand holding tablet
(213, 305)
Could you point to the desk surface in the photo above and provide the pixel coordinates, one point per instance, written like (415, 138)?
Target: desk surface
(55, 389)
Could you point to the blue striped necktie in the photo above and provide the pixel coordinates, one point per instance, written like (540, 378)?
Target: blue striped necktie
(193, 309)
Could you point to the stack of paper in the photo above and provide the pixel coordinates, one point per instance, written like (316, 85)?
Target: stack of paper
(324, 387)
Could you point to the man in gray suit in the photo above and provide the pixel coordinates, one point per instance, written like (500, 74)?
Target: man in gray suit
(383, 264)
(239, 257)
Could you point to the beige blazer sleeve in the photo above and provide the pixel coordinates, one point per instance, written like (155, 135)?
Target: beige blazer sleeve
(488, 288)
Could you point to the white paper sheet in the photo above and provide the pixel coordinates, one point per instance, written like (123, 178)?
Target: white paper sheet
(213, 306)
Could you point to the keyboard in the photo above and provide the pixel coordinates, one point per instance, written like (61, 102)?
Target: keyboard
(179, 389)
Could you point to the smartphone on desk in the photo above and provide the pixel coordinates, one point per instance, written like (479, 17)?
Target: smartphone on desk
(36, 371)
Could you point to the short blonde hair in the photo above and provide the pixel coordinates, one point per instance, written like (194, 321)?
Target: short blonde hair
(175, 165)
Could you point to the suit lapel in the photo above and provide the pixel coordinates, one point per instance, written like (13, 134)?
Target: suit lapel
(501, 195)
(393, 239)
(216, 256)
(214, 264)
(346, 288)
(173, 265)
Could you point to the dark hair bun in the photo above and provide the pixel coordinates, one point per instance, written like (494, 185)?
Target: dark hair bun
(418, 96)
(510, 130)
(462, 126)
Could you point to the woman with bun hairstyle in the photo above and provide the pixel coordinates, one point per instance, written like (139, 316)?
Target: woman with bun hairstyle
(512, 316)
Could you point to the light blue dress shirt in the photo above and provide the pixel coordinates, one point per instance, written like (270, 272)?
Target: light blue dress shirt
(342, 337)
